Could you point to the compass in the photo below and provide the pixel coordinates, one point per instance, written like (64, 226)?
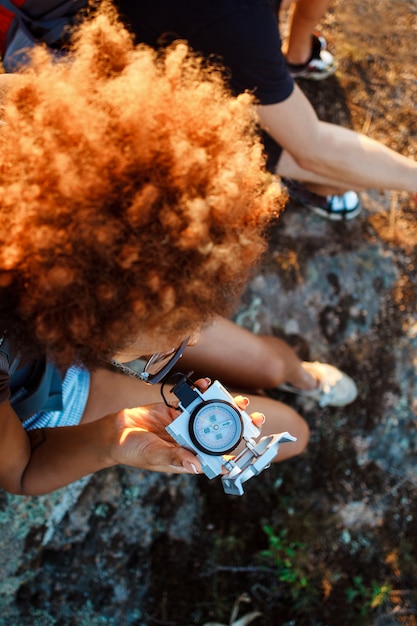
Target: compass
(215, 427)
(212, 426)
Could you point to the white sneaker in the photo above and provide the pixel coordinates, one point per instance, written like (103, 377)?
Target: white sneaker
(335, 388)
(335, 208)
(320, 65)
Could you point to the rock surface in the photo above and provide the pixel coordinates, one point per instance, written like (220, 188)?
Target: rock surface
(127, 547)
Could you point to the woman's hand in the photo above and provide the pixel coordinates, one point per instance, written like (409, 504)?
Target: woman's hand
(142, 440)
(257, 418)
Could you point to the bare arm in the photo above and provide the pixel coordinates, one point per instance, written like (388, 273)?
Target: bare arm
(44, 460)
(332, 155)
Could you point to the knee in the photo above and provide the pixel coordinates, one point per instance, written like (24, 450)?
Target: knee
(278, 361)
(303, 437)
(301, 431)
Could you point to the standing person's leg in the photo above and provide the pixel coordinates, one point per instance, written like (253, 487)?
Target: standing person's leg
(304, 17)
(304, 49)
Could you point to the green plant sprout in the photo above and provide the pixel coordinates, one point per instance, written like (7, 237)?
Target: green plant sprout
(368, 598)
(288, 558)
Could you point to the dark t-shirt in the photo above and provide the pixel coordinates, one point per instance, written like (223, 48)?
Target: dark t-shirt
(242, 35)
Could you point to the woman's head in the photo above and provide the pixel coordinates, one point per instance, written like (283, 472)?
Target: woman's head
(132, 197)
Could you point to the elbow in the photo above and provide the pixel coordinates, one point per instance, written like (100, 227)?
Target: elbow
(307, 164)
(322, 154)
(317, 163)
(15, 489)
(19, 490)
(17, 484)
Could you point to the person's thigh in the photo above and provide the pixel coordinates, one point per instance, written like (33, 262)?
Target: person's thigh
(111, 392)
(280, 418)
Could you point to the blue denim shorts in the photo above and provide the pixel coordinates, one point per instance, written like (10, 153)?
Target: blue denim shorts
(75, 390)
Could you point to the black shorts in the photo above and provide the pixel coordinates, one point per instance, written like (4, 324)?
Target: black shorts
(272, 151)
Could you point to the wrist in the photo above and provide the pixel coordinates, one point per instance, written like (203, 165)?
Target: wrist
(106, 436)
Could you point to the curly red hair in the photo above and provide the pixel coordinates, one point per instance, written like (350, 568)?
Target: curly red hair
(132, 196)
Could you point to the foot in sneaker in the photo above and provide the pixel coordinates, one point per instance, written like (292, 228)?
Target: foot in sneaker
(336, 208)
(334, 388)
(320, 65)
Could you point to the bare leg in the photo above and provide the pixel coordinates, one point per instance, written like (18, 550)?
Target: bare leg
(305, 14)
(280, 418)
(287, 167)
(110, 392)
(327, 154)
(244, 360)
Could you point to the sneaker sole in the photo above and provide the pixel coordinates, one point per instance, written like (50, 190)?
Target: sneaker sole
(334, 216)
(315, 76)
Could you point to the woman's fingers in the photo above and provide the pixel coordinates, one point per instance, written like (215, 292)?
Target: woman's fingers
(257, 418)
(203, 384)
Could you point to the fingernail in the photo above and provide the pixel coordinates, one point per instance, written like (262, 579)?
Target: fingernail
(245, 401)
(190, 467)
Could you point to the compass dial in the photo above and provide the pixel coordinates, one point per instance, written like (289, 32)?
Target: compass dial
(216, 427)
